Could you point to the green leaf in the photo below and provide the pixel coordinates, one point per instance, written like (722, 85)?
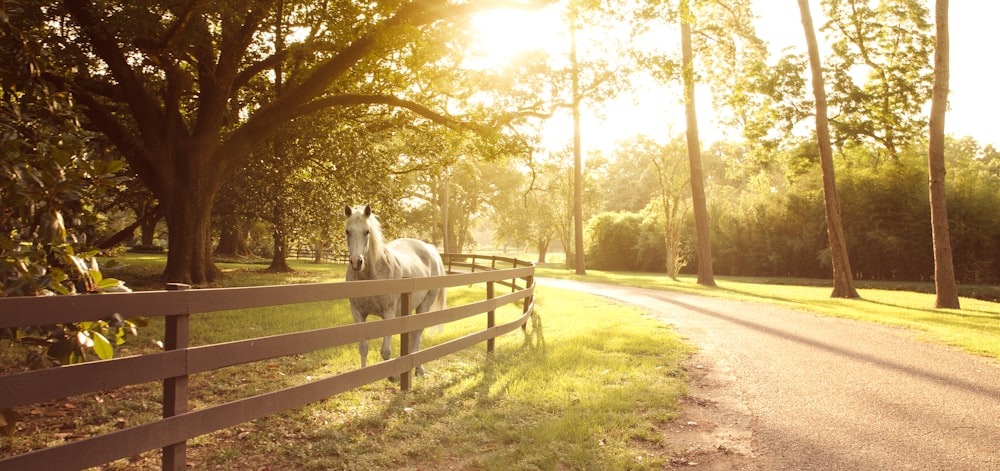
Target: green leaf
(115, 166)
(102, 347)
(106, 282)
(97, 277)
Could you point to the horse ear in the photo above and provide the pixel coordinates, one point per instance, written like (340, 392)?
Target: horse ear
(347, 210)
(368, 210)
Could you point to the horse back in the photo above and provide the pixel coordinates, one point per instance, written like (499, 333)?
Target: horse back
(416, 258)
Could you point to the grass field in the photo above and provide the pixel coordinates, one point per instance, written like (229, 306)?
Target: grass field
(975, 328)
(587, 386)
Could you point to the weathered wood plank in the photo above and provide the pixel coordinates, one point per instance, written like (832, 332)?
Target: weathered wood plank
(25, 311)
(53, 383)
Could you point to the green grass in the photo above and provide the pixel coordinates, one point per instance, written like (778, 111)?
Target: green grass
(586, 386)
(975, 328)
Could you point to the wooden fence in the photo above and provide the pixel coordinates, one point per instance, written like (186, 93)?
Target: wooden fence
(332, 256)
(178, 361)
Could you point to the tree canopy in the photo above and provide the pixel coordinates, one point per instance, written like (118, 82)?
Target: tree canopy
(179, 87)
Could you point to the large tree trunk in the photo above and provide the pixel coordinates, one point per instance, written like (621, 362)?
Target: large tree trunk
(147, 229)
(150, 217)
(944, 270)
(279, 257)
(843, 279)
(189, 248)
(233, 241)
(706, 275)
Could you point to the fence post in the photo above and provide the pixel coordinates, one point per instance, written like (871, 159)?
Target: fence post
(529, 283)
(175, 389)
(405, 379)
(491, 318)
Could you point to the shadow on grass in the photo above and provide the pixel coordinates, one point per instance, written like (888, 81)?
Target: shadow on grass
(581, 403)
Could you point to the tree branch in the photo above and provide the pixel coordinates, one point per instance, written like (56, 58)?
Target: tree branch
(147, 111)
(104, 120)
(357, 100)
(298, 99)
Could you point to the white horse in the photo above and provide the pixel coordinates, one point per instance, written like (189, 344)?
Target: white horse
(373, 259)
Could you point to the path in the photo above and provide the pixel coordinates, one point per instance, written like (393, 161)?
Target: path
(778, 389)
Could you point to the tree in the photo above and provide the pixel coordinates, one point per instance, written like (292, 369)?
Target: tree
(944, 271)
(671, 177)
(843, 278)
(166, 83)
(644, 172)
(579, 262)
(705, 275)
(890, 42)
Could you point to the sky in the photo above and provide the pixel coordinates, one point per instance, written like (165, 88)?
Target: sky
(974, 98)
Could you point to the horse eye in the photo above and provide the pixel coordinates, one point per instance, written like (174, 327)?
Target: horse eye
(368, 232)
(347, 232)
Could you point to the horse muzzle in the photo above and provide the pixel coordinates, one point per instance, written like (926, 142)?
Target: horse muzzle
(357, 263)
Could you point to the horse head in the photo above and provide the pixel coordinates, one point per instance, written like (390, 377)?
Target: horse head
(358, 230)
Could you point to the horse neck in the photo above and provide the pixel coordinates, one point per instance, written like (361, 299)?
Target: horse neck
(382, 263)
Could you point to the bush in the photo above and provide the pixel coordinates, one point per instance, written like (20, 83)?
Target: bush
(624, 241)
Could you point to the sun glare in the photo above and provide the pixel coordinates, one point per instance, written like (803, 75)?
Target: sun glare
(503, 34)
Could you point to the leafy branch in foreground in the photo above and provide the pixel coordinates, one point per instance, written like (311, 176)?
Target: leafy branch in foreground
(52, 173)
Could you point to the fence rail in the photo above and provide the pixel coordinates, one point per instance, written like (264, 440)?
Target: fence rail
(179, 360)
(332, 256)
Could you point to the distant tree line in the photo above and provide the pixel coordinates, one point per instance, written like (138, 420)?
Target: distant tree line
(771, 223)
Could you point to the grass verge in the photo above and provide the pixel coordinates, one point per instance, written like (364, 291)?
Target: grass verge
(586, 386)
(975, 328)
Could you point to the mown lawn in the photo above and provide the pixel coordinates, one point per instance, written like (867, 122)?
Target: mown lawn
(974, 328)
(587, 386)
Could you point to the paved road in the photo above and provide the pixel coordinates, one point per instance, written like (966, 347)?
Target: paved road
(797, 391)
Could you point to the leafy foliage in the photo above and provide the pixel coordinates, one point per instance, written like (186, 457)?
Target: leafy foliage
(625, 241)
(889, 44)
(50, 176)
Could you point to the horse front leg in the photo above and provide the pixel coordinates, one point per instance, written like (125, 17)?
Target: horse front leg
(387, 340)
(362, 345)
(363, 351)
(415, 347)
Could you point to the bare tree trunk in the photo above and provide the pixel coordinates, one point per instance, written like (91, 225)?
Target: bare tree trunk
(669, 208)
(843, 279)
(944, 269)
(581, 263)
(706, 275)
(543, 249)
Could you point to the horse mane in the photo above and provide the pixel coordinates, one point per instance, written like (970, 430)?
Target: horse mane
(377, 251)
